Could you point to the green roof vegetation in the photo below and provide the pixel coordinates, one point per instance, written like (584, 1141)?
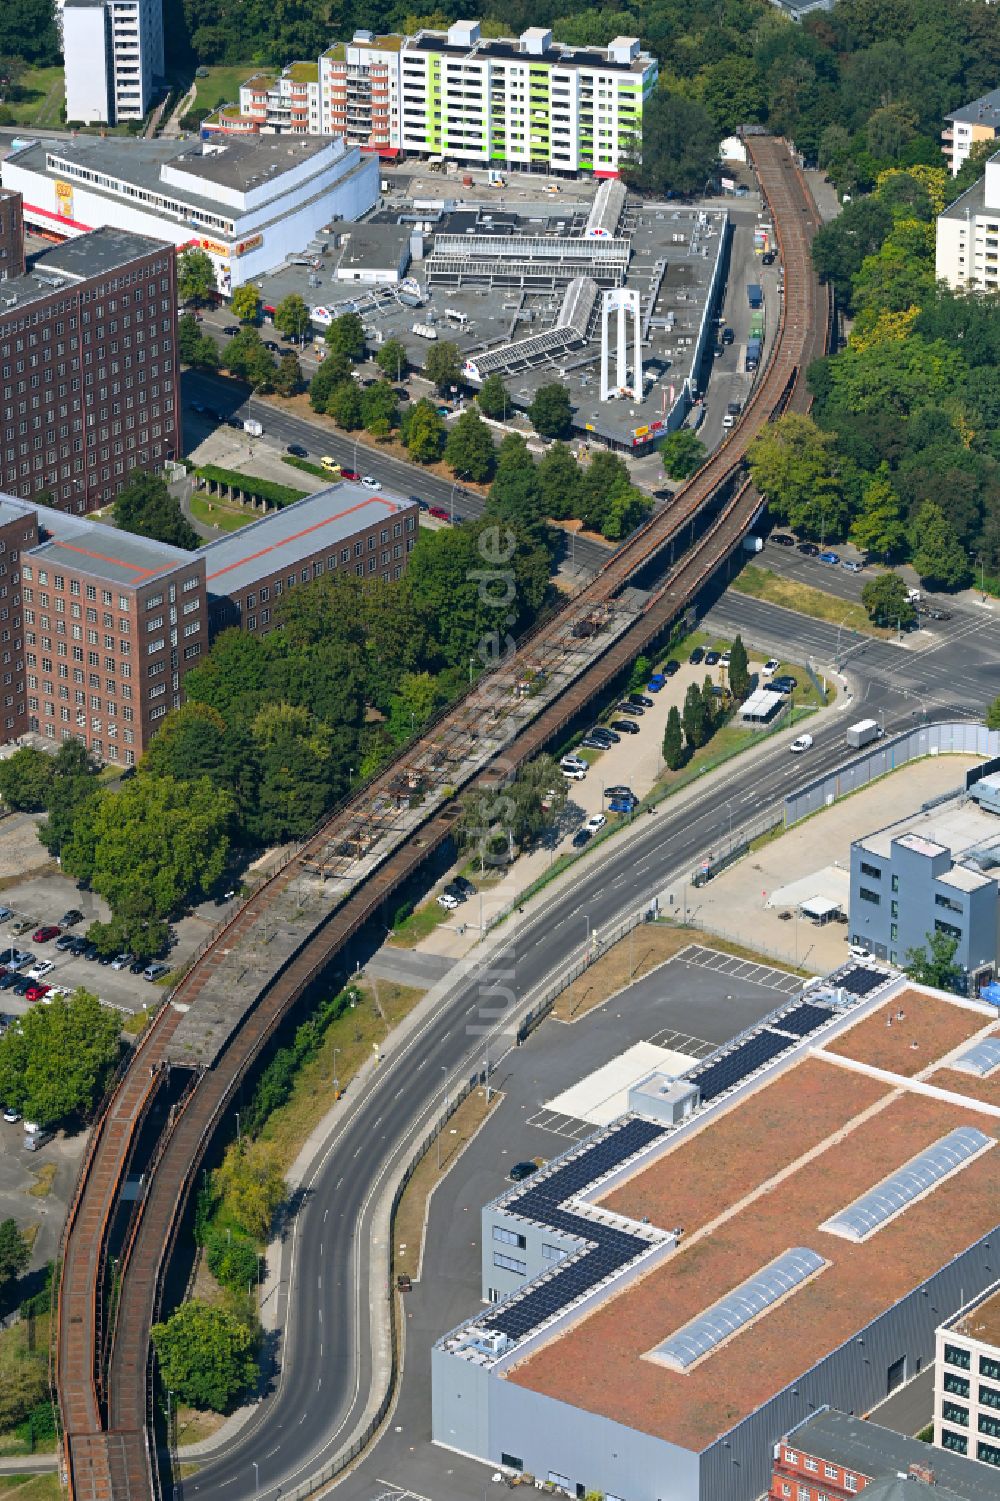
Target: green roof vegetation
(303, 72)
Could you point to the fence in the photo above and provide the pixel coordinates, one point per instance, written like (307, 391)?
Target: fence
(950, 737)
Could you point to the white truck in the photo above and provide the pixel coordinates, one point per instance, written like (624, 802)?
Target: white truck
(863, 733)
(253, 427)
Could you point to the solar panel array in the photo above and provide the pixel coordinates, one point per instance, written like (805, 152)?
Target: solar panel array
(742, 1061)
(609, 1250)
(981, 1059)
(804, 1019)
(883, 1202)
(738, 1308)
(860, 980)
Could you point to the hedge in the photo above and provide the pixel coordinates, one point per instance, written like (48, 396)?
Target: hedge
(307, 467)
(250, 487)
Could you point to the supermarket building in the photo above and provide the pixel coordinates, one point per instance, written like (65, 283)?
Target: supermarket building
(781, 1229)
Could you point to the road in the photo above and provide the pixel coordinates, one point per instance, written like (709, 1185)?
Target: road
(326, 1362)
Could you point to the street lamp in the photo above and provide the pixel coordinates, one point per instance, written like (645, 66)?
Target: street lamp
(451, 502)
(336, 1081)
(836, 654)
(472, 663)
(238, 1137)
(256, 1476)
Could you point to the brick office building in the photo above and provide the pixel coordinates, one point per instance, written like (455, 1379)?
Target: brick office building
(111, 624)
(345, 528)
(88, 368)
(18, 535)
(11, 234)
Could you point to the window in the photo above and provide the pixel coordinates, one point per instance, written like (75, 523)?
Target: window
(867, 895)
(988, 1395)
(871, 870)
(946, 902)
(988, 1367)
(830, 1472)
(511, 1461)
(810, 1464)
(988, 1453)
(948, 928)
(957, 1442)
(509, 1237)
(553, 1253)
(791, 1458)
(850, 1481)
(952, 1413)
(990, 1425)
(895, 883)
(510, 1263)
(957, 1385)
(956, 1356)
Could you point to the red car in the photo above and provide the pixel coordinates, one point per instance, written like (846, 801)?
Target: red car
(350, 474)
(36, 992)
(43, 935)
(439, 513)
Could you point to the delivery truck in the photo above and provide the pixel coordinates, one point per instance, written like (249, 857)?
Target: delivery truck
(755, 296)
(752, 355)
(253, 427)
(863, 733)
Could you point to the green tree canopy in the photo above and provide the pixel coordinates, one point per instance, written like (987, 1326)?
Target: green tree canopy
(443, 365)
(346, 336)
(26, 779)
(345, 406)
(878, 527)
(469, 450)
(792, 463)
(55, 1064)
(673, 740)
(196, 278)
(933, 963)
(334, 369)
(739, 668)
(423, 432)
(679, 145)
(937, 553)
(15, 1252)
(392, 360)
(250, 1186)
(550, 412)
(697, 726)
(147, 508)
(379, 408)
(207, 1357)
(886, 600)
(528, 805)
(291, 317)
(245, 303)
(289, 377)
(682, 452)
(993, 715)
(494, 398)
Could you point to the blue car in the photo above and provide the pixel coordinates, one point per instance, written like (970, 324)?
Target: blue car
(829, 557)
(655, 684)
(622, 804)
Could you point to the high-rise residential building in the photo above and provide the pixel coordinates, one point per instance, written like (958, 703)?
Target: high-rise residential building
(522, 102)
(114, 57)
(88, 360)
(967, 253)
(968, 126)
(11, 235)
(287, 103)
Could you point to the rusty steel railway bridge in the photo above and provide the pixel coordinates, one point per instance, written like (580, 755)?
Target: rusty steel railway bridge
(250, 972)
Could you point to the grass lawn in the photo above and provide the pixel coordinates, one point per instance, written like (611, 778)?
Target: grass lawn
(223, 84)
(762, 583)
(14, 1348)
(217, 513)
(30, 1487)
(39, 98)
(419, 924)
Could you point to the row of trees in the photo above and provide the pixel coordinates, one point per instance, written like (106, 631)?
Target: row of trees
(705, 710)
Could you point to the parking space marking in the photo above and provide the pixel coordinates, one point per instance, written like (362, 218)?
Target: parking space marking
(561, 1125)
(682, 1042)
(741, 969)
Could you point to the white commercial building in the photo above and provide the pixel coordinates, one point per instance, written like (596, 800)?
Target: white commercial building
(114, 56)
(968, 235)
(250, 204)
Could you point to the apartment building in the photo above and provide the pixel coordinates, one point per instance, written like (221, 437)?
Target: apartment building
(967, 248)
(967, 1370)
(287, 103)
(344, 528)
(89, 369)
(966, 127)
(11, 235)
(114, 59)
(516, 102)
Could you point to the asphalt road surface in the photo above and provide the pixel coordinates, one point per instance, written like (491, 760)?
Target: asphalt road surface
(326, 1361)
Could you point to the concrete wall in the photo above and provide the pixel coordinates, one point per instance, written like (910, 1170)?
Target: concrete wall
(500, 1280)
(88, 66)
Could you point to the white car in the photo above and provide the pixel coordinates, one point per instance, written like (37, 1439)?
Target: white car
(121, 961)
(41, 969)
(728, 420)
(803, 743)
(574, 773)
(573, 762)
(858, 951)
(370, 483)
(447, 901)
(595, 824)
(770, 667)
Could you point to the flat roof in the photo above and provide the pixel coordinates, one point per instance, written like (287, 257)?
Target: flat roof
(105, 552)
(981, 1321)
(875, 1451)
(89, 255)
(245, 162)
(283, 539)
(751, 1182)
(374, 243)
(961, 826)
(557, 55)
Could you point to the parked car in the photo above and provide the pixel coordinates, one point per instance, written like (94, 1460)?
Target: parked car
(418, 502)
(15, 958)
(91, 953)
(573, 773)
(37, 1140)
(728, 421)
(137, 966)
(635, 710)
(671, 667)
(711, 658)
(770, 667)
(698, 655)
(657, 683)
(5, 914)
(768, 258)
(231, 330)
(21, 926)
(605, 732)
(236, 423)
(464, 886)
(297, 451)
(370, 482)
(934, 613)
(22, 985)
(447, 900)
(625, 726)
(784, 684)
(271, 345)
(725, 657)
(595, 823)
(581, 837)
(438, 512)
(802, 743)
(351, 474)
(573, 761)
(728, 336)
(10, 1115)
(853, 566)
(80, 945)
(41, 969)
(9, 979)
(591, 743)
(622, 804)
(154, 972)
(807, 549)
(121, 961)
(36, 992)
(45, 934)
(641, 700)
(831, 558)
(782, 539)
(620, 791)
(71, 918)
(522, 1170)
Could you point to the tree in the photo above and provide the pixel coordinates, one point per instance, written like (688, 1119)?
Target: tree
(739, 669)
(26, 779)
(878, 528)
(424, 432)
(417, 700)
(188, 338)
(147, 508)
(196, 280)
(443, 365)
(558, 475)
(205, 355)
(840, 247)
(245, 303)
(886, 600)
(297, 769)
(469, 450)
(233, 1260)
(291, 317)
(392, 360)
(346, 336)
(792, 463)
(344, 405)
(494, 398)
(993, 715)
(682, 452)
(696, 726)
(247, 358)
(379, 408)
(530, 804)
(550, 412)
(23, 1380)
(15, 1252)
(207, 1357)
(673, 740)
(250, 1185)
(167, 838)
(933, 963)
(55, 1064)
(678, 149)
(334, 369)
(937, 553)
(289, 377)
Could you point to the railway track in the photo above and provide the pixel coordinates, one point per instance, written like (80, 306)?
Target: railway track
(102, 1363)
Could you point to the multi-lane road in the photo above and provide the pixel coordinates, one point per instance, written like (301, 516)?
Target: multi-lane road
(325, 1361)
